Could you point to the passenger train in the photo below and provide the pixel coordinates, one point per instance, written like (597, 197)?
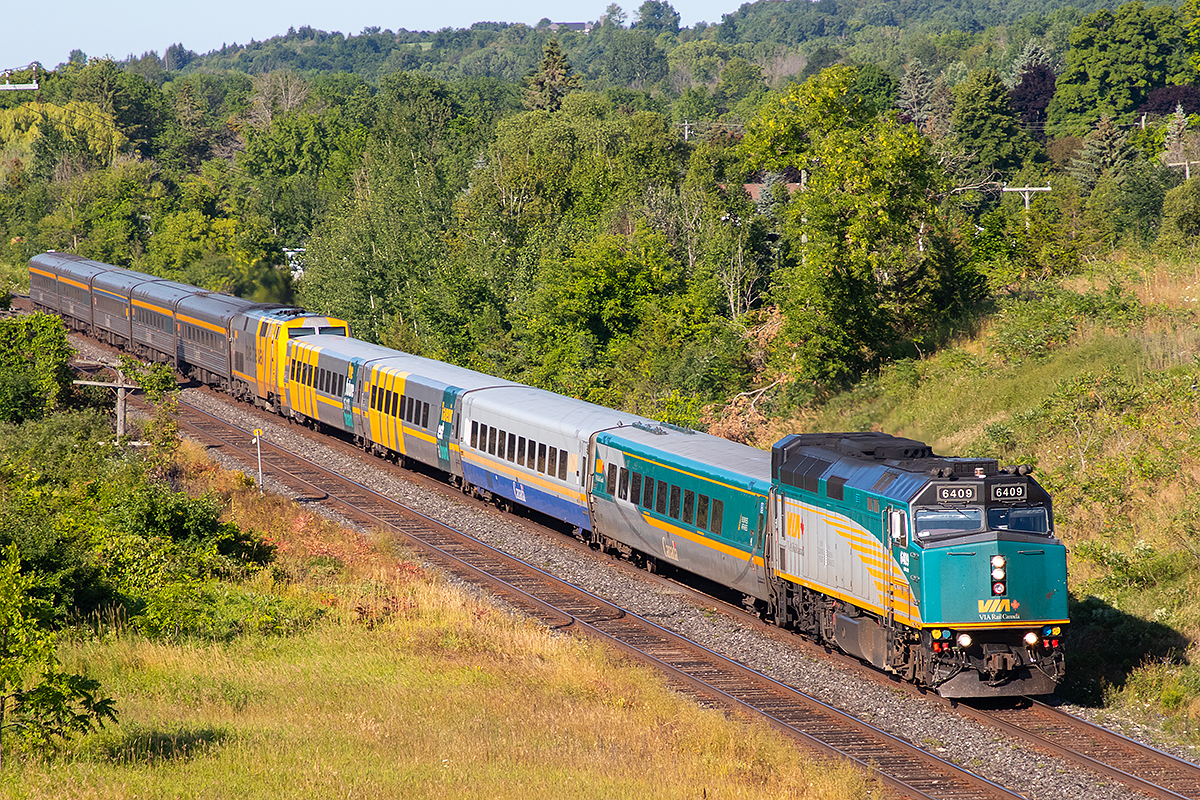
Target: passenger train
(945, 571)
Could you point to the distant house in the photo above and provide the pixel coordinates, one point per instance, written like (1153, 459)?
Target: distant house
(755, 190)
(577, 27)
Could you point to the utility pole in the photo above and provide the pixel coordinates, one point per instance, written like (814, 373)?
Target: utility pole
(19, 87)
(121, 386)
(1026, 192)
(1187, 168)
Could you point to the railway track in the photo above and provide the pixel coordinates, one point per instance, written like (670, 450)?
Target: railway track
(904, 769)
(1077, 742)
(1138, 766)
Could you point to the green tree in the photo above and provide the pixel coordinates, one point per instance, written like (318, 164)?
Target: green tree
(1105, 149)
(657, 16)
(34, 366)
(553, 81)
(741, 85)
(877, 87)
(915, 93)
(55, 705)
(634, 59)
(870, 271)
(1115, 60)
(1181, 215)
(987, 128)
(787, 125)
(869, 267)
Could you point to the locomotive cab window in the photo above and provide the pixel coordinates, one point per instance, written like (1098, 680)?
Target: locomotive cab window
(1024, 520)
(930, 523)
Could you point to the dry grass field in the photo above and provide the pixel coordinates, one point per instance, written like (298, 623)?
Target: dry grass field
(404, 687)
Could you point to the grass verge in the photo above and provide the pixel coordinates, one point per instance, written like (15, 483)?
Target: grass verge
(404, 687)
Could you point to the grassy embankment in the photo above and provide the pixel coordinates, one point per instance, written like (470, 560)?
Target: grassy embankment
(405, 688)
(1097, 383)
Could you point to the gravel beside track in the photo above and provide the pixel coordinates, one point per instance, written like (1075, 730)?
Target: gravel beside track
(980, 749)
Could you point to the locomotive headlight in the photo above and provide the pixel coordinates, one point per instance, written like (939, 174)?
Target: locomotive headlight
(1031, 638)
(998, 574)
(998, 562)
(964, 640)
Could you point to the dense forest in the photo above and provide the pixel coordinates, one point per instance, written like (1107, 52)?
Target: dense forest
(642, 215)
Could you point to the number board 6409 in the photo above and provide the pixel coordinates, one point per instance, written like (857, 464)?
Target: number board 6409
(1008, 491)
(958, 493)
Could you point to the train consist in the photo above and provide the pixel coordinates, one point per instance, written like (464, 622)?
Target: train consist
(945, 571)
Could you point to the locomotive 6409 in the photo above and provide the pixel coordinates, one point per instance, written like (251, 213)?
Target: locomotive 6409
(943, 570)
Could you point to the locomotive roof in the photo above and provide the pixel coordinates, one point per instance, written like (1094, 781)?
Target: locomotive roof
(879, 463)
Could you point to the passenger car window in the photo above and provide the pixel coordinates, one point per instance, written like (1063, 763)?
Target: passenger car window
(718, 509)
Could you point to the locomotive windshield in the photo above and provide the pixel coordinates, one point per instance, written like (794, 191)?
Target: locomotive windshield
(1026, 520)
(936, 523)
(932, 522)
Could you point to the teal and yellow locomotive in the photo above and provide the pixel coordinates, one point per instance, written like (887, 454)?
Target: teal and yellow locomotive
(944, 570)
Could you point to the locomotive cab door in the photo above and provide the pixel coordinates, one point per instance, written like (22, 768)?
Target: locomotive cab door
(896, 545)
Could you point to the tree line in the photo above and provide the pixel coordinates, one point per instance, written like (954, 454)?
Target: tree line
(571, 232)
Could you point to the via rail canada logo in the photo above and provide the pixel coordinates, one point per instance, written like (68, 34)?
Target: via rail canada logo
(998, 608)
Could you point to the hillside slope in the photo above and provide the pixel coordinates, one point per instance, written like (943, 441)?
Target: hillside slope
(1097, 384)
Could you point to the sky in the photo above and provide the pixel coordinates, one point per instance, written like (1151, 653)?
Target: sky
(48, 34)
